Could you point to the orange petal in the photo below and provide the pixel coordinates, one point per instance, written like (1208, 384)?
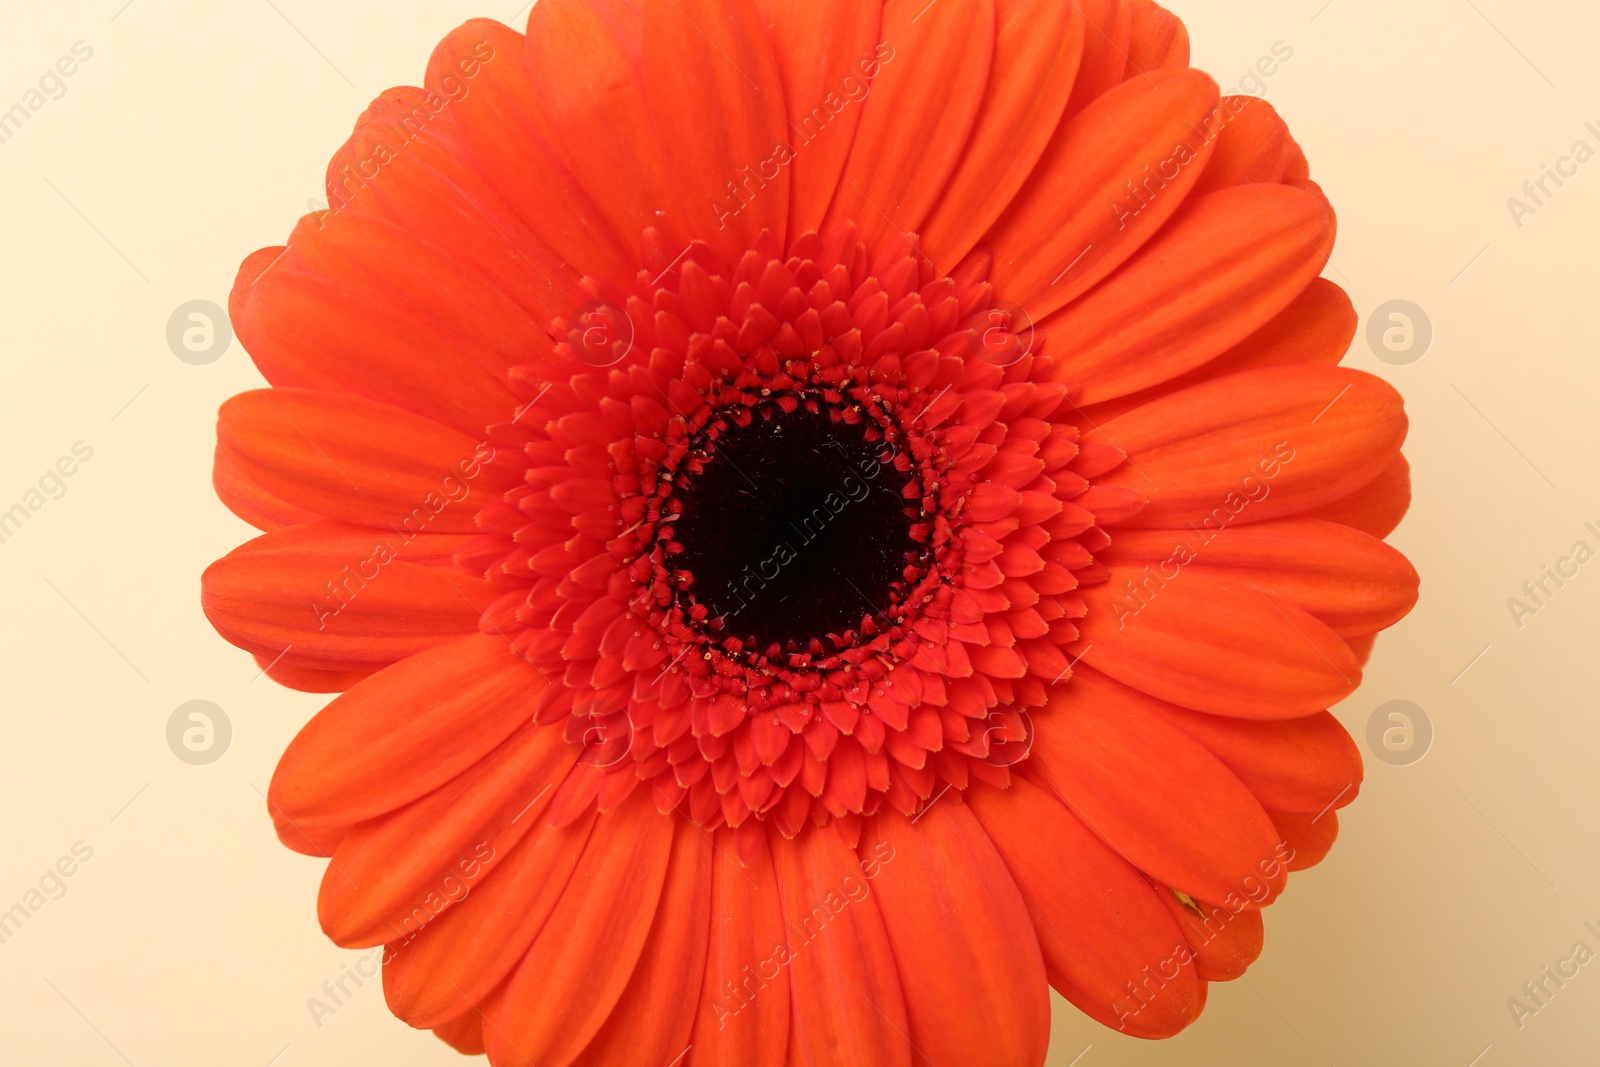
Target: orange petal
(1256, 446)
(910, 139)
(460, 957)
(518, 122)
(1154, 793)
(1038, 44)
(1225, 941)
(376, 259)
(1302, 765)
(826, 51)
(1376, 507)
(463, 1033)
(653, 1020)
(711, 57)
(403, 732)
(345, 457)
(1253, 146)
(1140, 146)
(970, 967)
(1109, 945)
(1316, 327)
(406, 193)
(342, 597)
(248, 500)
(302, 330)
(578, 966)
(1207, 641)
(1350, 580)
(392, 876)
(310, 680)
(1308, 837)
(1107, 36)
(743, 1018)
(1159, 39)
(845, 999)
(1228, 263)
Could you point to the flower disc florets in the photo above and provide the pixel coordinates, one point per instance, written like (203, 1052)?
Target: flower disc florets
(799, 536)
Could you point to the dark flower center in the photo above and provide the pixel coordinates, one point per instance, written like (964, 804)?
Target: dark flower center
(794, 527)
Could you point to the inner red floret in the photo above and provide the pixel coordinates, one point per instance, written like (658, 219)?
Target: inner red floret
(798, 537)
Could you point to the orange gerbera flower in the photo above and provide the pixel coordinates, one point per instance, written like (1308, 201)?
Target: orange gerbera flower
(831, 517)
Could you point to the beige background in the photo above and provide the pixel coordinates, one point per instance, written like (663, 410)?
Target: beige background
(197, 133)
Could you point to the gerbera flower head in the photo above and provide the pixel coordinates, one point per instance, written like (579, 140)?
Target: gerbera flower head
(828, 519)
